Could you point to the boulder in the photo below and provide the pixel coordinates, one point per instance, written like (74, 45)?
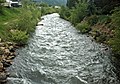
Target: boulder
(12, 54)
(2, 48)
(7, 51)
(3, 77)
(7, 63)
(10, 57)
(1, 67)
(77, 80)
(0, 40)
(4, 57)
(1, 52)
(9, 43)
(11, 48)
(2, 44)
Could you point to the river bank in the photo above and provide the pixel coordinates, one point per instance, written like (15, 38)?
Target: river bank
(7, 54)
(15, 28)
(58, 54)
(104, 28)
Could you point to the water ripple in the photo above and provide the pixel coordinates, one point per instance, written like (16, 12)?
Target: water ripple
(57, 54)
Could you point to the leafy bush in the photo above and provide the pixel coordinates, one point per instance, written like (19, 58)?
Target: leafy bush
(18, 36)
(83, 27)
(47, 10)
(78, 13)
(92, 20)
(27, 19)
(22, 20)
(43, 5)
(103, 19)
(115, 41)
(116, 17)
(65, 13)
(1, 6)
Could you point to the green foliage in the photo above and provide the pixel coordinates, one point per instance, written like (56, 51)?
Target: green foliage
(116, 17)
(101, 38)
(92, 10)
(115, 41)
(43, 5)
(6, 19)
(23, 20)
(98, 19)
(92, 20)
(72, 3)
(1, 6)
(75, 14)
(27, 19)
(83, 27)
(47, 10)
(1, 1)
(65, 13)
(78, 13)
(18, 36)
(103, 19)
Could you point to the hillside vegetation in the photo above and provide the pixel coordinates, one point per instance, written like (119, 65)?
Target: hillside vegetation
(102, 24)
(16, 24)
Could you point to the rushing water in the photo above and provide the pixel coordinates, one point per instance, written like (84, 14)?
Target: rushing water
(58, 54)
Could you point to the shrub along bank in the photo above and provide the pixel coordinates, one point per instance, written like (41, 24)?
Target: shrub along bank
(16, 25)
(104, 28)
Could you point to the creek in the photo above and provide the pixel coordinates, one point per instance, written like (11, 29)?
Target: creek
(58, 54)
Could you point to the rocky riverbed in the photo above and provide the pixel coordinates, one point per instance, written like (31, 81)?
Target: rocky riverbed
(7, 54)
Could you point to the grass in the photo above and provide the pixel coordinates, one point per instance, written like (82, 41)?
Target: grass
(21, 19)
(6, 18)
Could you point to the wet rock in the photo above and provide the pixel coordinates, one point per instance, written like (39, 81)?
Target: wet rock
(4, 57)
(7, 52)
(12, 49)
(10, 57)
(40, 24)
(1, 67)
(2, 48)
(2, 44)
(0, 40)
(13, 74)
(0, 58)
(3, 77)
(7, 63)
(77, 80)
(1, 52)
(9, 43)
(12, 54)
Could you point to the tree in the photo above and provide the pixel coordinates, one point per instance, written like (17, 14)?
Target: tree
(106, 5)
(72, 3)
